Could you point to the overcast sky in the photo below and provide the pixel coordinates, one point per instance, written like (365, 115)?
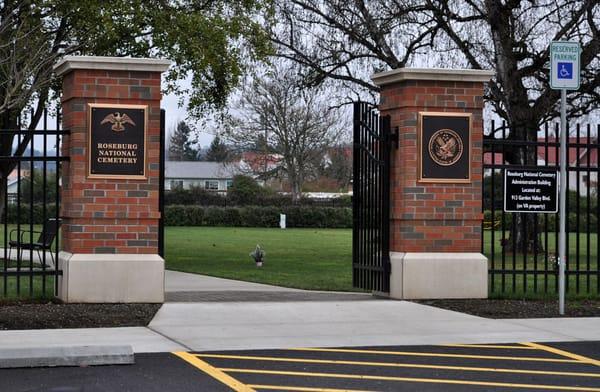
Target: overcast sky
(174, 114)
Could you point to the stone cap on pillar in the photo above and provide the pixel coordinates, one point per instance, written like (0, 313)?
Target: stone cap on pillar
(69, 63)
(449, 75)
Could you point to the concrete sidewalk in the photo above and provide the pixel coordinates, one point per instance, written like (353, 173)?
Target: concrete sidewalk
(225, 321)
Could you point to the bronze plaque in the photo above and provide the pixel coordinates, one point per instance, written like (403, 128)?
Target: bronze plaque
(444, 147)
(117, 141)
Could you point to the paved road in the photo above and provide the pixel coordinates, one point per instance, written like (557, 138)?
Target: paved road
(562, 366)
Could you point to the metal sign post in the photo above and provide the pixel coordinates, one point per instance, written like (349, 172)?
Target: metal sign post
(562, 237)
(564, 75)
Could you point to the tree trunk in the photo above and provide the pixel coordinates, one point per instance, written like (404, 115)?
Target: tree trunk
(296, 191)
(3, 195)
(6, 145)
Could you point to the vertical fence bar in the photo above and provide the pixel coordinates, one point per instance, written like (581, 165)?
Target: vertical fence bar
(355, 193)
(19, 172)
(597, 209)
(44, 190)
(525, 233)
(387, 142)
(556, 222)
(588, 184)
(577, 210)
(57, 200)
(503, 216)
(5, 215)
(546, 250)
(31, 206)
(161, 187)
(493, 209)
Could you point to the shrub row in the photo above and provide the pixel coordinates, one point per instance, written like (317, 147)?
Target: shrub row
(254, 216)
(200, 197)
(21, 215)
(552, 218)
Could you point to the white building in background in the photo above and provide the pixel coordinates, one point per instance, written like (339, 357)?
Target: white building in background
(12, 187)
(211, 176)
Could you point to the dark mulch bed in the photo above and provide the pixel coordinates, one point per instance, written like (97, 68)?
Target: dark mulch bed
(22, 315)
(509, 308)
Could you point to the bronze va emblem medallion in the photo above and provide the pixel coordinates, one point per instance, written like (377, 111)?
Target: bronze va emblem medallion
(445, 147)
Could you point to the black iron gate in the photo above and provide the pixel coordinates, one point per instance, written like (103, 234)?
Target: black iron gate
(30, 164)
(161, 187)
(371, 199)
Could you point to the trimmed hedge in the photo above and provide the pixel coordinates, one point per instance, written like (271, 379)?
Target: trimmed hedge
(572, 226)
(14, 214)
(255, 216)
(201, 197)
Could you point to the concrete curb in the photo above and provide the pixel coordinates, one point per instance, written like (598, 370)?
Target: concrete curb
(66, 356)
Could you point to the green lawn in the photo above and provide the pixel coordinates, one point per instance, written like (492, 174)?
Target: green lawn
(41, 288)
(19, 287)
(319, 259)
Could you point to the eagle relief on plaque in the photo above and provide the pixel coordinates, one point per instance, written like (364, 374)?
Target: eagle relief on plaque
(117, 141)
(444, 147)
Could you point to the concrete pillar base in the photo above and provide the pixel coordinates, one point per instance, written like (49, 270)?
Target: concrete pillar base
(438, 275)
(111, 278)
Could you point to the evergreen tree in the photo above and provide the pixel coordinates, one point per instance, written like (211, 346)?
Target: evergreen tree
(181, 145)
(218, 151)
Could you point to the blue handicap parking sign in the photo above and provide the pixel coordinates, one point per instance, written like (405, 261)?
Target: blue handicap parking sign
(565, 70)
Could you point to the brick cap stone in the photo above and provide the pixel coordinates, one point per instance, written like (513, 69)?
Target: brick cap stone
(436, 74)
(69, 63)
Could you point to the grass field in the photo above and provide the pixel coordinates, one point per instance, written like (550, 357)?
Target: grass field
(317, 259)
(320, 259)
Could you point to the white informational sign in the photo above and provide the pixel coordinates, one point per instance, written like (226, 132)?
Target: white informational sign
(564, 65)
(282, 221)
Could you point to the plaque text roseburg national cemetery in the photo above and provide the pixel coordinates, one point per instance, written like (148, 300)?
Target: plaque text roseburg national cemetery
(530, 191)
(117, 141)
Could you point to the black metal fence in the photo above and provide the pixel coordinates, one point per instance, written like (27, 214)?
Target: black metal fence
(30, 163)
(371, 199)
(523, 248)
(161, 186)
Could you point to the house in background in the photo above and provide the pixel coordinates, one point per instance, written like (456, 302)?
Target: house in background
(581, 157)
(12, 187)
(211, 176)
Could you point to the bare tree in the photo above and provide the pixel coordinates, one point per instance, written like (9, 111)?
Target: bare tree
(348, 41)
(278, 117)
(512, 38)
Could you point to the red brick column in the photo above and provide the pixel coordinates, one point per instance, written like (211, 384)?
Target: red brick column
(108, 216)
(426, 216)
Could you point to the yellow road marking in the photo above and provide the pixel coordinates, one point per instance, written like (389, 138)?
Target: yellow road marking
(445, 355)
(411, 379)
(564, 353)
(499, 346)
(304, 389)
(214, 372)
(399, 365)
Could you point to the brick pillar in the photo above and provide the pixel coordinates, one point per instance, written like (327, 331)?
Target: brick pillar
(110, 225)
(435, 224)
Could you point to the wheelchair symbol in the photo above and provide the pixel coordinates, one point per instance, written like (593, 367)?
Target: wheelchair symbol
(565, 70)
